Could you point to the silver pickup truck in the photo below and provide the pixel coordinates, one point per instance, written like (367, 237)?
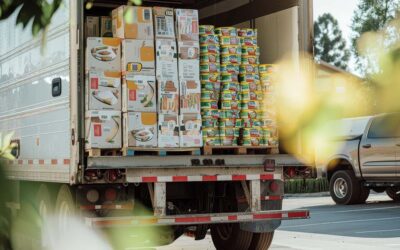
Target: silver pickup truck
(366, 157)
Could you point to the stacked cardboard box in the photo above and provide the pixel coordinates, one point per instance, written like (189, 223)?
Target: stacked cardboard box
(187, 23)
(229, 122)
(251, 90)
(210, 84)
(134, 25)
(103, 93)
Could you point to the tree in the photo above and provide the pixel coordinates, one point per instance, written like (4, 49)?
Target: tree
(373, 15)
(329, 45)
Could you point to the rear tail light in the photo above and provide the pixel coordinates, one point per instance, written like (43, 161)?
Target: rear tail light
(269, 165)
(273, 186)
(110, 194)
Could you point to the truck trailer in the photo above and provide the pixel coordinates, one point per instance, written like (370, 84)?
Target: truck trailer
(42, 101)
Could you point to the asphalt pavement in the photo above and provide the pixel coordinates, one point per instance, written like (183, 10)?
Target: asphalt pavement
(374, 225)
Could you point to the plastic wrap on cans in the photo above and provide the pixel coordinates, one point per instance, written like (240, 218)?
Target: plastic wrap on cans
(187, 24)
(231, 50)
(209, 58)
(206, 30)
(233, 58)
(209, 49)
(247, 32)
(209, 39)
(248, 41)
(229, 40)
(210, 68)
(230, 68)
(226, 31)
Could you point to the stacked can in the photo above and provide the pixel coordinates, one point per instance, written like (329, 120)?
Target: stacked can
(269, 131)
(210, 84)
(251, 110)
(230, 49)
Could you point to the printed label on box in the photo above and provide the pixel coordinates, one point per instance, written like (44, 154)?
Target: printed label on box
(103, 54)
(187, 24)
(166, 59)
(190, 132)
(140, 129)
(168, 130)
(139, 93)
(168, 96)
(164, 22)
(103, 90)
(103, 129)
(138, 57)
(190, 91)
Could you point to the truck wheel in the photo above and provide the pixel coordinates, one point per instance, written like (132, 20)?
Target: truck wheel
(364, 194)
(230, 236)
(261, 241)
(65, 207)
(393, 193)
(344, 188)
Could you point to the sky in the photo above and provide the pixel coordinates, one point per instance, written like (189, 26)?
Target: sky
(342, 10)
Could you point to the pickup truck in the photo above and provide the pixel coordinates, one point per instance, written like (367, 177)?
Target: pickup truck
(366, 158)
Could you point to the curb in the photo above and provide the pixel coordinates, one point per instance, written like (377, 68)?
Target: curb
(299, 195)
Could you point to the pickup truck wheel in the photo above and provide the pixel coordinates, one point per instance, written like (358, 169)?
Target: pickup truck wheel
(230, 236)
(261, 241)
(393, 193)
(344, 188)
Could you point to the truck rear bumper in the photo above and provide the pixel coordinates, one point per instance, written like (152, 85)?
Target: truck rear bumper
(195, 219)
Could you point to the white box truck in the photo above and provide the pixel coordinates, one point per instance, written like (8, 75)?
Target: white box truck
(42, 100)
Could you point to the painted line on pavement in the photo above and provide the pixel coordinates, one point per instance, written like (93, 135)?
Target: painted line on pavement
(338, 222)
(378, 231)
(356, 210)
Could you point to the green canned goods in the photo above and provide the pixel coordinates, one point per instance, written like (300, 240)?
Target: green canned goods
(244, 86)
(209, 39)
(247, 32)
(248, 69)
(207, 86)
(210, 77)
(249, 78)
(206, 29)
(226, 31)
(229, 77)
(248, 41)
(209, 58)
(234, 58)
(209, 68)
(245, 95)
(212, 141)
(234, 105)
(209, 49)
(229, 40)
(250, 59)
(208, 95)
(226, 105)
(257, 123)
(256, 96)
(248, 114)
(232, 86)
(252, 132)
(226, 141)
(210, 132)
(210, 113)
(250, 50)
(226, 95)
(227, 123)
(210, 122)
(209, 104)
(253, 105)
(246, 141)
(230, 68)
(267, 68)
(230, 50)
(228, 114)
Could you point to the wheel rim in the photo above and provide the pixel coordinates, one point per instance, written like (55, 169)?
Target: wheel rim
(340, 188)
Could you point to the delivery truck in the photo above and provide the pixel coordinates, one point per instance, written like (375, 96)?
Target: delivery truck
(232, 192)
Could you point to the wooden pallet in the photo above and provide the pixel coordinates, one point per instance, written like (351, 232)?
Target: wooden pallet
(96, 152)
(239, 150)
(132, 151)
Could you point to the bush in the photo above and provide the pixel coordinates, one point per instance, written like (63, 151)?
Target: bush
(294, 186)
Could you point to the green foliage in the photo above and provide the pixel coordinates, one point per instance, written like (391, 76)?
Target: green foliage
(329, 45)
(373, 15)
(39, 12)
(295, 186)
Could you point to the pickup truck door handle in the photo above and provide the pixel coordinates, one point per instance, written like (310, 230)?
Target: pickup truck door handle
(366, 145)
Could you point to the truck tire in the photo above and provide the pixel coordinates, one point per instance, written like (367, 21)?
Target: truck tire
(261, 241)
(364, 194)
(65, 207)
(393, 193)
(230, 236)
(345, 189)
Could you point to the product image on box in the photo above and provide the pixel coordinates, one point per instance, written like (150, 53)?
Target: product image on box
(106, 26)
(190, 96)
(164, 22)
(168, 131)
(140, 129)
(168, 96)
(139, 93)
(132, 22)
(103, 54)
(190, 130)
(189, 50)
(103, 90)
(166, 59)
(103, 129)
(187, 24)
(138, 57)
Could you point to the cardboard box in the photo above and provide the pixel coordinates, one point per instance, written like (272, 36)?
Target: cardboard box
(133, 22)
(189, 63)
(166, 59)
(164, 22)
(168, 131)
(140, 129)
(103, 90)
(190, 132)
(138, 57)
(92, 26)
(106, 26)
(168, 96)
(187, 23)
(139, 93)
(190, 92)
(103, 54)
(103, 129)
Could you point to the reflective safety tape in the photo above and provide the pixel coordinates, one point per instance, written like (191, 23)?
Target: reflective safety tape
(204, 178)
(39, 162)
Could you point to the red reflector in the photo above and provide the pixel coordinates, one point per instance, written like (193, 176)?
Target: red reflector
(110, 194)
(273, 186)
